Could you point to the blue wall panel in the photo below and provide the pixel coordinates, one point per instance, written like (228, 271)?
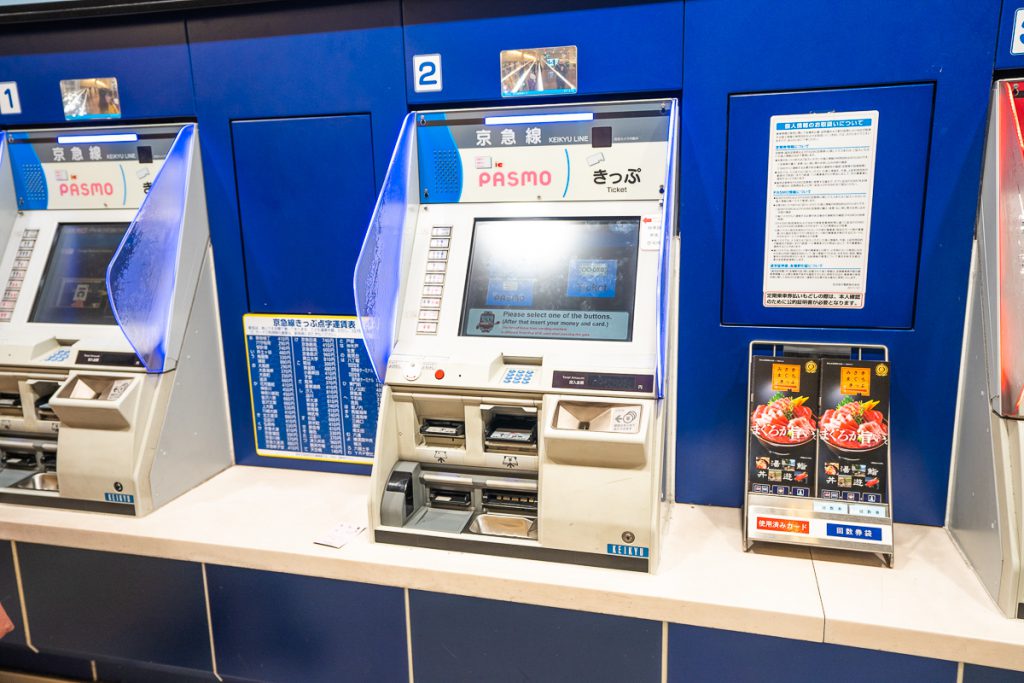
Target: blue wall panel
(470, 639)
(114, 671)
(986, 674)
(301, 208)
(149, 57)
(283, 61)
(101, 604)
(622, 47)
(20, 658)
(282, 627)
(904, 124)
(701, 655)
(743, 47)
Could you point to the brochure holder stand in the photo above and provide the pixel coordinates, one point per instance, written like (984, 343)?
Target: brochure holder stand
(812, 521)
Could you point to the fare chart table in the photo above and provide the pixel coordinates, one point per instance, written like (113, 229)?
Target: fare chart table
(314, 392)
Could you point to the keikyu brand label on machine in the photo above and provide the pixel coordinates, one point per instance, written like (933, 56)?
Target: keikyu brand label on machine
(821, 170)
(628, 550)
(314, 393)
(126, 498)
(605, 152)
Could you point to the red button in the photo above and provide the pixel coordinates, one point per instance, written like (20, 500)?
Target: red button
(439, 374)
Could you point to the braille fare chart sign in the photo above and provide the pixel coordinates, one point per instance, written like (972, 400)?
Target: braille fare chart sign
(314, 393)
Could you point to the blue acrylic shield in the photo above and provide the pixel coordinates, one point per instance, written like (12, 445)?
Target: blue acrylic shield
(376, 279)
(667, 228)
(140, 277)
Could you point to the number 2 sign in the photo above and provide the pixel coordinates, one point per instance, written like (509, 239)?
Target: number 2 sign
(426, 72)
(9, 101)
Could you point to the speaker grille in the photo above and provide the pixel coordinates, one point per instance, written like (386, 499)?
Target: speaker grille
(447, 172)
(34, 182)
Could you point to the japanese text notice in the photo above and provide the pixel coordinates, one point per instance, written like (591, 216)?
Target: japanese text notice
(314, 393)
(821, 171)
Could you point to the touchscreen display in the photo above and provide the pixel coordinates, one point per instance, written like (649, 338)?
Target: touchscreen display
(552, 278)
(74, 286)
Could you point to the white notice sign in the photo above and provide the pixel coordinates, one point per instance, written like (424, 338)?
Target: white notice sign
(821, 175)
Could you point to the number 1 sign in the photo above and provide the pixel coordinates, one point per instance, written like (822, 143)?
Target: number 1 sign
(9, 100)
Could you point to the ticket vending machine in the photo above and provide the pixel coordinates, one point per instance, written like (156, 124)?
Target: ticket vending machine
(516, 292)
(112, 393)
(986, 512)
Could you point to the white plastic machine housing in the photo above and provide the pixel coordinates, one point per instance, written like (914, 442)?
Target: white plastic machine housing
(985, 516)
(110, 401)
(589, 484)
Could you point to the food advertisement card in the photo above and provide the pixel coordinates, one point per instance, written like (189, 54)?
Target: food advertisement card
(782, 425)
(853, 444)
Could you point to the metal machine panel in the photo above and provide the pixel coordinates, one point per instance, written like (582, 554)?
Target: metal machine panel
(305, 192)
(975, 518)
(469, 37)
(148, 55)
(904, 117)
(318, 60)
(984, 514)
(955, 51)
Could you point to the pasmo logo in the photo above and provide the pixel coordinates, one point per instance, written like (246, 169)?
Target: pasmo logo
(86, 189)
(514, 179)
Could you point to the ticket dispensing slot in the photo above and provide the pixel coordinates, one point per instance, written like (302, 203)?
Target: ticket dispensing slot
(10, 404)
(446, 433)
(448, 491)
